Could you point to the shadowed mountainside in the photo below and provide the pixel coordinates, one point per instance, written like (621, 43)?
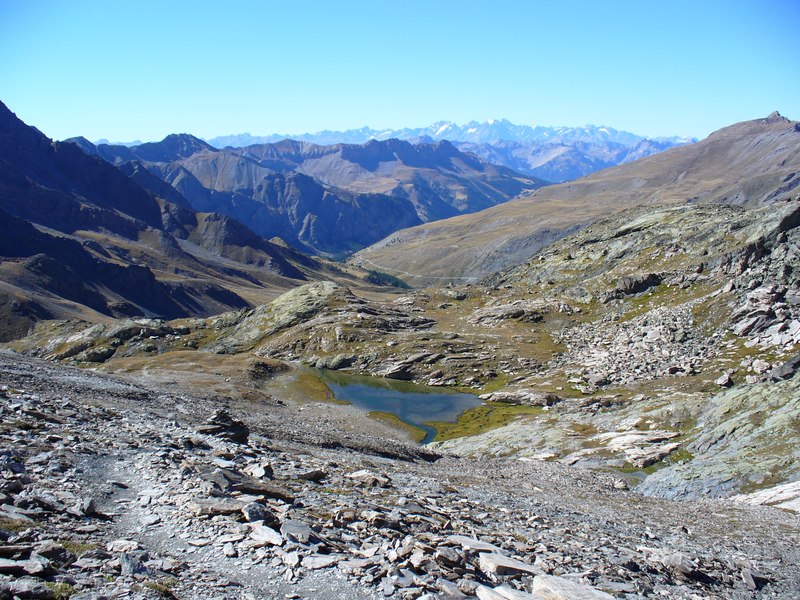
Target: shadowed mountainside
(86, 239)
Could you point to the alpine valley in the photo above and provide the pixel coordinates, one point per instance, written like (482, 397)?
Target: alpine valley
(179, 318)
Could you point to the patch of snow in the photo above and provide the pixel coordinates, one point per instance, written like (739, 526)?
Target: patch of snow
(443, 128)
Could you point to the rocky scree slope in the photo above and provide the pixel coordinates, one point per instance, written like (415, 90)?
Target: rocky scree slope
(748, 164)
(112, 487)
(677, 304)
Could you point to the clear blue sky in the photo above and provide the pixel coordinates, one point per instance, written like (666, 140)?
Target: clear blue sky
(126, 70)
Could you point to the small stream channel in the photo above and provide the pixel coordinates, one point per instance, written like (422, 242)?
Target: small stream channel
(414, 404)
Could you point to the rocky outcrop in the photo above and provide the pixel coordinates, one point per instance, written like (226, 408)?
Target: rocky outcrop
(223, 425)
(785, 496)
(517, 311)
(632, 284)
(526, 397)
(740, 445)
(290, 309)
(657, 344)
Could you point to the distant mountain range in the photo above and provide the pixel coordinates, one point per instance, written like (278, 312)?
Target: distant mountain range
(554, 154)
(746, 164)
(329, 200)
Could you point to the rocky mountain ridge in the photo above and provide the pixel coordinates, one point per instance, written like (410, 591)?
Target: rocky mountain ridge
(325, 199)
(554, 154)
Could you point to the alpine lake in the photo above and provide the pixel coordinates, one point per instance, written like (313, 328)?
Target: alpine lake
(414, 405)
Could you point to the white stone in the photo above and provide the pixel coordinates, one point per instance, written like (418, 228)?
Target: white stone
(267, 535)
(320, 561)
(502, 592)
(468, 543)
(550, 587)
(785, 496)
(760, 366)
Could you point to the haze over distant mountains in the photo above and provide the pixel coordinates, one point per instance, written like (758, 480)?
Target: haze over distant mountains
(554, 154)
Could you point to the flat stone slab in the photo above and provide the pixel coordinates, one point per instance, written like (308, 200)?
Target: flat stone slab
(320, 561)
(499, 564)
(468, 543)
(502, 592)
(213, 508)
(785, 496)
(550, 587)
(266, 535)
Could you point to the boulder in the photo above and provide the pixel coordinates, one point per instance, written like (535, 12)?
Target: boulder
(786, 370)
(517, 311)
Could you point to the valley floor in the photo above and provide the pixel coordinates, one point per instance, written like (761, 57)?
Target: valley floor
(115, 486)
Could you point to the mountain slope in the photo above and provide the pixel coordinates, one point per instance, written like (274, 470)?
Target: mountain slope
(439, 180)
(749, 164)
(84, 239)
(328, 200)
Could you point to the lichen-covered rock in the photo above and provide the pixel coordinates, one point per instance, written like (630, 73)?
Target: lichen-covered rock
(746, 440)
(517, 311)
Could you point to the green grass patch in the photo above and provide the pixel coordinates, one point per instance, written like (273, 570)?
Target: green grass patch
(493, 385)
(482, 418)
(583, 429)
(78, 548)
(384, 279)
(415, 433)
(307, 386)
(16, 525)
(61, 591)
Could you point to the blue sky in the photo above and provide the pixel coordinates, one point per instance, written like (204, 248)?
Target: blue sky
(126, 70)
